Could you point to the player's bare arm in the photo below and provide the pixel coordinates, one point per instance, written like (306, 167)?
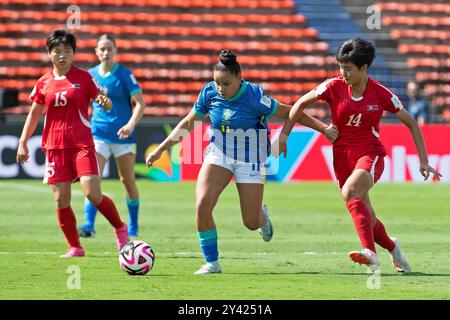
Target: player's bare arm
(138, 112)
(177, 135)
(280, 146)
(425, 169)
(28, 130)
(330, 131)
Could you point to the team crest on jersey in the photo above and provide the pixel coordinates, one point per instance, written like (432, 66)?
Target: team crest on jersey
(75, 86)
(265, 100)
(227, 114)
(373, 107)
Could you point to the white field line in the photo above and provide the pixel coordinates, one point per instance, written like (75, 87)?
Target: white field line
(46, 189)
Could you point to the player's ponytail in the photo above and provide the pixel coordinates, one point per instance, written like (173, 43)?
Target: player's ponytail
(228, 62)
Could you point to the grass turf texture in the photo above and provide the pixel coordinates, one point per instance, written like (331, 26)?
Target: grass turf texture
(306, 259)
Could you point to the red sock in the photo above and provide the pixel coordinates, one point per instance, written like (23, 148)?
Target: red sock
(381, 237)
(109, 210)
(68, 225)
(361, 221)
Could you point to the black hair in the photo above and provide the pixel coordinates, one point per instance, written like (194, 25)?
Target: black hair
(61, 36)
(107, 37)
(228, 62)
(358, 51)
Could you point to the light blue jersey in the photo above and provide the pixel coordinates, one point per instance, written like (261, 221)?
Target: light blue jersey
(120, 85)
(238, 125)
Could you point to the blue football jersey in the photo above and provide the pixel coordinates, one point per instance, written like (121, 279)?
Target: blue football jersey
(120, 85)
(239, 124)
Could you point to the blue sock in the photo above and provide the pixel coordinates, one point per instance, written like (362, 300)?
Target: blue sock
(133, 210)
(208, 243)
(90, 211)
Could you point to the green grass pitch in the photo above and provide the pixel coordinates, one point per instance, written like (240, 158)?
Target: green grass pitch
(306, 259)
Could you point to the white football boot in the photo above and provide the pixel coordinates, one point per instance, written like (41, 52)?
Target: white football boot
(209, 267)
(398, 259)
(266, 230)
(365, 256)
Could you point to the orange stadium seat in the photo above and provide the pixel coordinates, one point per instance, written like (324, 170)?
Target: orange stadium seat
(414, 7)
(443, 35)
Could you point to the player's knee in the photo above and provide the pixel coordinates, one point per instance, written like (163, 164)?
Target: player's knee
(94, 197)
(128, 182)
(350, 192)
(62, 201)
(251, 223)
(204, 205)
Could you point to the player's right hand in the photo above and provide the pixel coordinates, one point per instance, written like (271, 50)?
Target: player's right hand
(152, 157)
(332, 133)
(22, 153)
(425, 169)
(279, 147)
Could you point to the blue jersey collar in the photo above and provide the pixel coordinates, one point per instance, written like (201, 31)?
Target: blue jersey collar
(111, 73)
(240, 92)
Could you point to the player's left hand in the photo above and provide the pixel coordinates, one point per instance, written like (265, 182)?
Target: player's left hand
(104, 101)
(425, 169)
(332, 133)
(125, 131)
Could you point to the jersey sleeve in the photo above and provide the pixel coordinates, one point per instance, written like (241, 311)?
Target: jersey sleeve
(36, 95)
(390, 102)
(201, 105)
(131, 83)
(265, 105)
(323, 91)
(92, 87)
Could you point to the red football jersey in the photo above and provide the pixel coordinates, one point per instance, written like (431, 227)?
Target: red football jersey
(67, 100)
(358, 119)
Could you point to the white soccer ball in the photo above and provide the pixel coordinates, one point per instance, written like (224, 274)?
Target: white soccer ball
(136, 258)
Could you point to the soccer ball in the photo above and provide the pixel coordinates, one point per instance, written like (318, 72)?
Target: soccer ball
(136, 258)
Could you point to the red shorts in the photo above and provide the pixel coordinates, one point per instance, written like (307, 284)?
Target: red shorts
(345, 161)
(70, 164)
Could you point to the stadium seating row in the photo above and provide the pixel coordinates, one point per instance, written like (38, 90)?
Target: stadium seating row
(425, 49)
(190, 45)
(416, 21)
(428, 63)
(272, 4)
(319, 61)
(148, 18)
(414, 7)
(263, 33)
(443, 35)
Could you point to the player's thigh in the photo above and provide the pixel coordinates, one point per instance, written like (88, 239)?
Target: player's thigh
(212, 180)
(125, 165)
(101, 163)
(357, 184)
(62, 193)
(251, 199)
(372, 163)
